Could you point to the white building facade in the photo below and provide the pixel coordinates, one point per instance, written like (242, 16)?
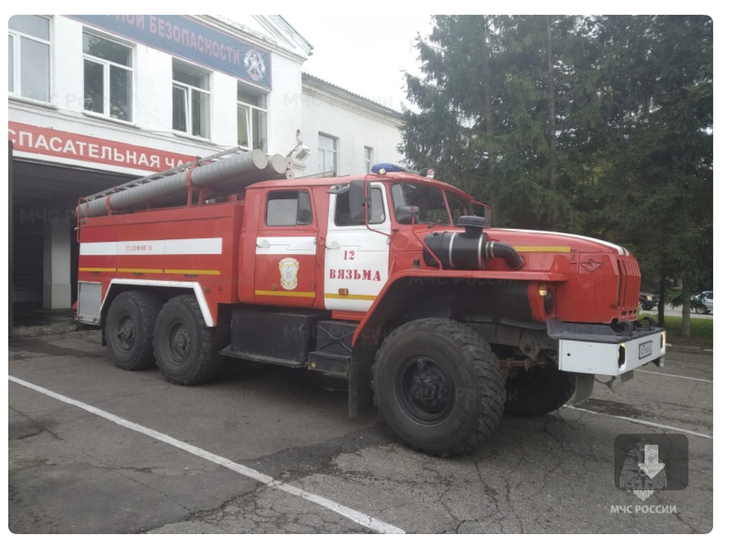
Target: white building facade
(348, 133)
(95, 101)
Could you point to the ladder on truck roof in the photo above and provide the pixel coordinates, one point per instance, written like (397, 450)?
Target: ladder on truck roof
(162, 174)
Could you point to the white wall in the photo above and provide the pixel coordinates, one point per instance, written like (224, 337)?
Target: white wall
(284, 107)
(354, 123)
(56, 290)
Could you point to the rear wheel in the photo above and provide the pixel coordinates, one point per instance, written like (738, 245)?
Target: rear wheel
(539, 390)
(438, 386)
(129, 328)
(186, 349)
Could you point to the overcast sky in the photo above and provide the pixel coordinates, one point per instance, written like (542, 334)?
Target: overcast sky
(364, 54)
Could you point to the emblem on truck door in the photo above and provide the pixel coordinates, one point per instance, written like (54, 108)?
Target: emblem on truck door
(289, 273)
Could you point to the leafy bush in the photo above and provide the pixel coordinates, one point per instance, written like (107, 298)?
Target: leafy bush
(701, 328)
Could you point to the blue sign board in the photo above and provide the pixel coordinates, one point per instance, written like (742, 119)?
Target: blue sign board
(192, 40)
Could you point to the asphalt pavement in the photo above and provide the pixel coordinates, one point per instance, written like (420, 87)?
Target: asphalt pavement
(265, 450)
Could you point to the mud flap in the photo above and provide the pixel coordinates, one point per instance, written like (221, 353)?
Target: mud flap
(360, 392)
(583, 389)
(616, 382)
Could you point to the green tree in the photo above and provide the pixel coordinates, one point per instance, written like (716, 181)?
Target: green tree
(655, 194)
(597, 125)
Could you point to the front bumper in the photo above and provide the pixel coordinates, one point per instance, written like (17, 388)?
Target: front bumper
(600, 350)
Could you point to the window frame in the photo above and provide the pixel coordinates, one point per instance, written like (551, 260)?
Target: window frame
(283, 195)
(375, 190)
(250, 109)
(425, 192)
(188, 90)
(324, 151)
(15, 53)
(107, 77)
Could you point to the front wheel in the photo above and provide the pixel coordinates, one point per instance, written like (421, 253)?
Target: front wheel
(438, 386)
(700, 308)
(186, 349)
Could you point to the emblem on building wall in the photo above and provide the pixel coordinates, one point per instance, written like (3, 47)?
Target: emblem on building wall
(254, 64)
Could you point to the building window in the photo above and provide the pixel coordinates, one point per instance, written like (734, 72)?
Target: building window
(191, 100)
(107, 77)
(289, 208)
(28, 57)
(327, 154)
(368, 158)
(252, 119)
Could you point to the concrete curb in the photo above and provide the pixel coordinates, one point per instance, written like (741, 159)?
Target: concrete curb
(44, 330)
(689, 349)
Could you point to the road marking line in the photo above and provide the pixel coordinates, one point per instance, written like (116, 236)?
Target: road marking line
(648, 423)
(356, 516)
(670, 375)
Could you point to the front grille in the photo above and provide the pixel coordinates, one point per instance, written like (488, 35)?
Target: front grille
(629, 284)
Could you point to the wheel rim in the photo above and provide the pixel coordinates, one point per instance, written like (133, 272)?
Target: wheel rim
(124, 334)
(426, 390)
(179, 343)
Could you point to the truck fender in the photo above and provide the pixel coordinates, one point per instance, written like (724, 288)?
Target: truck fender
(393, 294)
(193, 286)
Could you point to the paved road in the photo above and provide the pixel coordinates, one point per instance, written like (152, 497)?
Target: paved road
(93, 449)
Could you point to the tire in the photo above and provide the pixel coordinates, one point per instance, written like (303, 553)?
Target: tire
(185, 348)
(130, 323)
(538, 391)
(699, 308)
(438, 386)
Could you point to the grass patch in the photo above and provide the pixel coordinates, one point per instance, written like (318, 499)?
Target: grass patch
(701, 329)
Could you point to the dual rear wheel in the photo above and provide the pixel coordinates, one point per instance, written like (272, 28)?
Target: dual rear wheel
(141, 332)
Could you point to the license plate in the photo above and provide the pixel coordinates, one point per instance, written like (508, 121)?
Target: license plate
(646, 349)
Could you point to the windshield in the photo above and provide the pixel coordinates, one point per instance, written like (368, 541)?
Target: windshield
(431, 205)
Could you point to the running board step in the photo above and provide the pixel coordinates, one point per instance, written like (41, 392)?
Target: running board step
(331, 363)
(228, 352)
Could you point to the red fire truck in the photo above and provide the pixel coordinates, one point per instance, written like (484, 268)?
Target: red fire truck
(393, 281)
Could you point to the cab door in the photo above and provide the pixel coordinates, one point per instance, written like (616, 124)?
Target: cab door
(285, 272)
(356, 261)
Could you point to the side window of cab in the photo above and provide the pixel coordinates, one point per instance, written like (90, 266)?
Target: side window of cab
(345, 214)
(286, 208)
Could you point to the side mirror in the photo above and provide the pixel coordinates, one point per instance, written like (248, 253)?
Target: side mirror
(357, 201)
(405, 214)
(484, 210)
